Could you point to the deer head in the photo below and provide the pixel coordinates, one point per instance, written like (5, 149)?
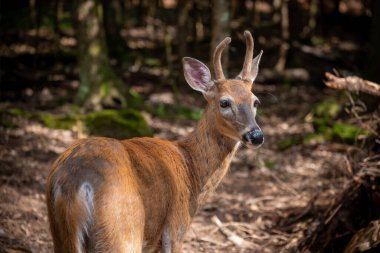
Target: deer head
(231, 101)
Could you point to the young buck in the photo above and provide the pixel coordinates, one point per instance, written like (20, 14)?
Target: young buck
(140, 195)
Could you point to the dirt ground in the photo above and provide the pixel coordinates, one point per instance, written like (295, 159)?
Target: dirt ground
(266, 203)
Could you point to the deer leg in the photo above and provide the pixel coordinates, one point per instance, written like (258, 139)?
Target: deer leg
(172, 238)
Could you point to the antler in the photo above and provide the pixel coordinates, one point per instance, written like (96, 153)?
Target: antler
(246, 72)
(217, 58)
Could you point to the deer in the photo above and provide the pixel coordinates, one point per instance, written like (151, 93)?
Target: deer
(141, 194)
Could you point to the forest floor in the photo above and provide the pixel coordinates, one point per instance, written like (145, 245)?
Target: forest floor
(268, 201)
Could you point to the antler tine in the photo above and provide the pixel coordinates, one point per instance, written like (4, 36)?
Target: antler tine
(248, 56)
(217, 58)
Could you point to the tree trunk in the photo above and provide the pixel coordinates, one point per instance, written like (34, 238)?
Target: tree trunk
(99, 84)
(182, 31)
(280, 65)
(113, 24)
(220, 28)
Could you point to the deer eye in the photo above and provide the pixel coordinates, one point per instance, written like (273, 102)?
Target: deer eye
(256, 103)
(224, 103)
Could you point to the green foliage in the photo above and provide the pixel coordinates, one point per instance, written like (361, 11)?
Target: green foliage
(327, 109)
(347, 132)
(57, 121)
(187, 113)
(314, 138)
(134, 100)
(327, 128)
(152, 62)
(325, 118)
(120, 124)
(17, 112)
(288, 142)
(178, 112)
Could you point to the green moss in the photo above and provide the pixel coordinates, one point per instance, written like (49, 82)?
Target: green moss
(288, 142)
(105, 89)
(57, 121)
(17, 112)
(120, 124)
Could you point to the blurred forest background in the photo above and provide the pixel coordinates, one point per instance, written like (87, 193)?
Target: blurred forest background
(71, 69)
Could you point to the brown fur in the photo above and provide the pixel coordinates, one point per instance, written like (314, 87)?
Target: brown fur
(105, 195)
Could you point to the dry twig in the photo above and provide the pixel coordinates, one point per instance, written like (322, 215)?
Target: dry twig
(231, 236)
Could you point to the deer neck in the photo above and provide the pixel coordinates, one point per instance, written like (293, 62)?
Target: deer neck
(208, 153)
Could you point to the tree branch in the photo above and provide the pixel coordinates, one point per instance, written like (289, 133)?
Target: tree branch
(352, 83)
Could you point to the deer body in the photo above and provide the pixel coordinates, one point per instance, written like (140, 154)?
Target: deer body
(140, 195)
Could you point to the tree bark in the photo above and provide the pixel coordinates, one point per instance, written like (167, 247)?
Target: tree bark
(182, 31)
(220, 28)
(99, 84)
(280, 65)
(113, 24)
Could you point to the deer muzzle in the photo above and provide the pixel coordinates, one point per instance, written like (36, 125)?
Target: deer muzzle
(255, 137)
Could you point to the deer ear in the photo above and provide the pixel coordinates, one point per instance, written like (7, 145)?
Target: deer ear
(254, 67)
(197, 74)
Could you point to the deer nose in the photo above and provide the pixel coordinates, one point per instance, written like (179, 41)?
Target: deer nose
(255, 136)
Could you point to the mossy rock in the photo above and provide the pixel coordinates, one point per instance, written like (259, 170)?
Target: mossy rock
(120, 124)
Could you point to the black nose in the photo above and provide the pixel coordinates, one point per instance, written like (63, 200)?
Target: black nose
(255, 137)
